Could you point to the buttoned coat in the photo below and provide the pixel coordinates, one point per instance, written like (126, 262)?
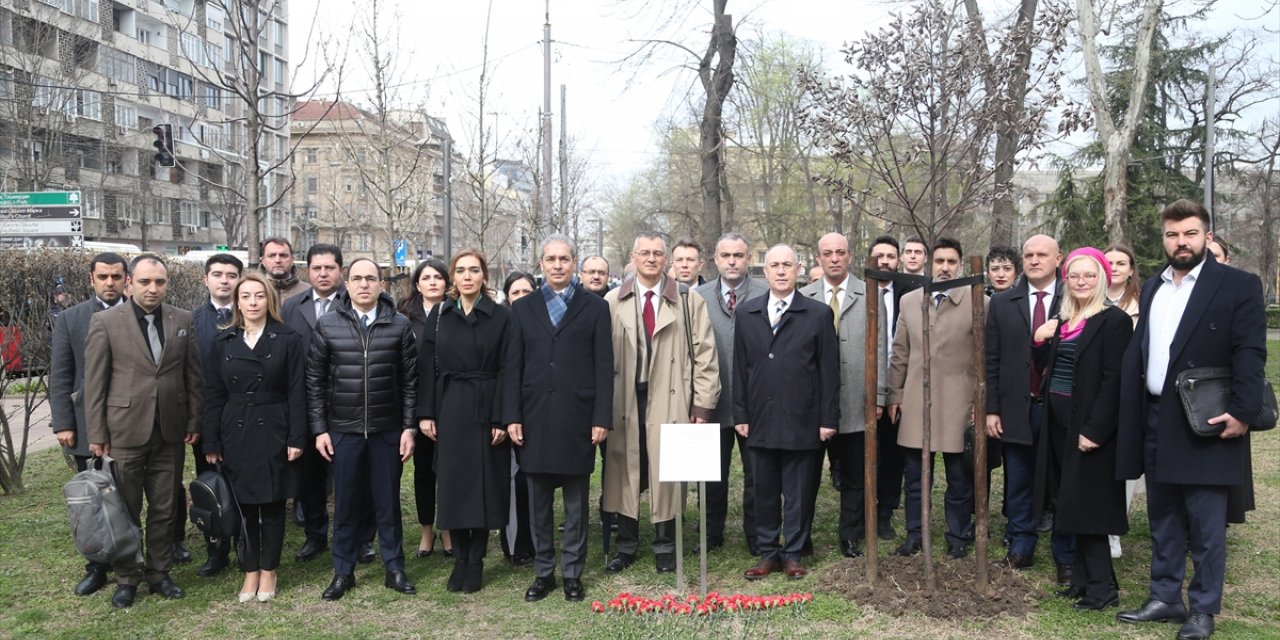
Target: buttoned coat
(786, 383)
(559, 381)
(852, 340)
(1008, 365)
(127, 393)
(682, 386)
(952, 372)
(722, 328)
(66, 373)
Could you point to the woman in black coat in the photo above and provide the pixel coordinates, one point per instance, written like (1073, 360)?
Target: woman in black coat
(255, 424)
(426, 290)
(1081, 356)
(459, 406)
(516, 537)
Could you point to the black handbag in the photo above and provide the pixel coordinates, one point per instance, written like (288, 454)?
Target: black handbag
(214, 509)
(1205, 393)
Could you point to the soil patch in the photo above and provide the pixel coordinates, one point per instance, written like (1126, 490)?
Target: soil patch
(902, 590)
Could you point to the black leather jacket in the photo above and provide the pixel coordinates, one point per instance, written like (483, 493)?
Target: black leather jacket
(361, 382)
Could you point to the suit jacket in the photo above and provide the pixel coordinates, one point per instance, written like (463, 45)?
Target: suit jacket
(722, 327)
(786, 384)
(126, 393)
(299, 312)
(1008, 367)
(852, 339)
(952, 375)
(66, 373)
(205, 318)
(1224, 325)
(559, 381)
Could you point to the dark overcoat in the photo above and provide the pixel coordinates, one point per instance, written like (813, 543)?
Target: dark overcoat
(559, 381)
(786, 384)
(460, 362)
(1008, 362)
(255, 406)
(1090, 499)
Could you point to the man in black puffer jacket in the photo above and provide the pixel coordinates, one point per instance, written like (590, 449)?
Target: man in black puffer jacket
(362, 379)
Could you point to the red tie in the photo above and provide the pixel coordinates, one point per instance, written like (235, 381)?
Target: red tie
(733, 299)
(1037, 319)
(649, 321)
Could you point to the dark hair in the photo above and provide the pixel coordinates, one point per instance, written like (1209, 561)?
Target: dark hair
(484, 270)
(1005, 252)
(1131, 288)
(412, 301)
(223, 258)
(1180, 210)
(370, 261)
(688, 242)
(322, 249)
(916, 240)
(278, 240)
(1226, 251)
(946, 243)
(885, 239)
(108, 259)
(146, 257)
(512, 278)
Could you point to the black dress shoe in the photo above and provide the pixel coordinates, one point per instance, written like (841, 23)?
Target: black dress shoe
(1088, 603)
(1064, 575)
(1015, 561)
(620, 562)
(424, 553)
(473, 578)
(1074, 593)
(850, 549)
(957, 551)
(573, 591)
(456, 576)
(167, 588)
(1045, 525)
(310, 549)
(218, 560)
(338, 588)
(124, 596)
(1154, 611)
(909, 548)
(522, 561)
(1198, 626)
(541, 587)
(298, 517)
(664, 562)
(181, 555)
(884, 530)
(398, 581)
(366, 554)
(94, 579)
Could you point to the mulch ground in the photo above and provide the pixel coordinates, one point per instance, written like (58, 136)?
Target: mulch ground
(902, 588)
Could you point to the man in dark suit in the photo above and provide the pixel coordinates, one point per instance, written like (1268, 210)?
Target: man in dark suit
(327, 294)
(723, 296)
(1015, 409)
(786, 403)
(1196, 313)
(891, 464)
(107, 275)
(558, 408)
(144, 391)
(221, 273)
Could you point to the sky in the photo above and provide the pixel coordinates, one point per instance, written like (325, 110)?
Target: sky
(612, 106)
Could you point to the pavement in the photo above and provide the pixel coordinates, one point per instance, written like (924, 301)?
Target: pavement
(40, 436)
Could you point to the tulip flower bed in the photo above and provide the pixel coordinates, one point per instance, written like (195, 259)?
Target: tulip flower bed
(671, 604)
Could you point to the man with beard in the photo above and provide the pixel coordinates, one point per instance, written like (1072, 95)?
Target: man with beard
(277, 263)
(1196, 313)
(595, 275)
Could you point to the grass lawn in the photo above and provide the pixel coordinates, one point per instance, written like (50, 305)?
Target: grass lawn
(38, 568)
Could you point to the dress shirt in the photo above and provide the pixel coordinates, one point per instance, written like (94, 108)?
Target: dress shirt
(1167, 307)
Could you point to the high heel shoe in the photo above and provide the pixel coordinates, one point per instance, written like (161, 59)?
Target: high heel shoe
(266, 596)
(246, 597)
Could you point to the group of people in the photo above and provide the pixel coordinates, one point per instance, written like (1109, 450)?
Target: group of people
(501, 403)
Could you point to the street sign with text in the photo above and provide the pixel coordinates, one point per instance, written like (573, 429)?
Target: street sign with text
(41, 219)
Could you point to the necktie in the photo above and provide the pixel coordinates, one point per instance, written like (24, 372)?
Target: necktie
(153, 336)
(733, 300)
(224, 316)
(365, 321)
(649, 320)
(937, 300)
(1037, 319)
(322, 306)
(835, 306)
(777, 315)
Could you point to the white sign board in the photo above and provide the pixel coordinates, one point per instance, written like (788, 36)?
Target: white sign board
(689, 453)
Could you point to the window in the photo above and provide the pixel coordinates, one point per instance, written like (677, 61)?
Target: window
(280, 72)
(213, 16)
(126, 116)
(155, 210)
(193, 49)
(309, 155)
(126, 209)
(117, 65)
(277, 35)
(91, 204)
(313, 185)
(212, 96)
(189, 213)
(89, 104)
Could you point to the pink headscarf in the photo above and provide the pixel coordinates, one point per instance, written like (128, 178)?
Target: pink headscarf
(1092, 253)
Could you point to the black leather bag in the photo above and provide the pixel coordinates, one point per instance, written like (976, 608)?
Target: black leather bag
(970, 452)
(214, 509)
(1205, 393)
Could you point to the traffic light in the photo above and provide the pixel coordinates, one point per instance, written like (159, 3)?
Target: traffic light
(164, 145)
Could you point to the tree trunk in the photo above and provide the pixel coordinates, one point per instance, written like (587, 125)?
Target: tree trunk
(716, 83)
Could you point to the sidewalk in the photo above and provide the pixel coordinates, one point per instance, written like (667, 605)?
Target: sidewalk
(40, 437)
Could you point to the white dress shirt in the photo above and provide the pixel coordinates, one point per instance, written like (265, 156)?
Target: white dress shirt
(1167, 307)
(1032, 300)
(774, 314)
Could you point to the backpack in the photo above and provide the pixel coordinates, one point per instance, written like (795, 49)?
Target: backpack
(101, 525)
(214, 510)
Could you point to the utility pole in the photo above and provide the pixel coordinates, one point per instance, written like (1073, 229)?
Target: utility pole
(448, 197)
(546, 122)
(564, 168)
(1208, 148)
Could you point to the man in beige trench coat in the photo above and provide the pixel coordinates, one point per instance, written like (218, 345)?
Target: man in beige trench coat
(665, 371)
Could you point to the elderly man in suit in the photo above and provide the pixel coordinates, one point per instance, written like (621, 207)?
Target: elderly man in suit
(107, 275)
(951, 359)
(786, 403)
(144, 392)
(559, 377)
(665, 371)
(723, 296)
(844, 294)
(1195, 313)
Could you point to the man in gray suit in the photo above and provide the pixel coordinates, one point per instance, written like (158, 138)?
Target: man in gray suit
(723, 295)
(845, 294)
(107, 275)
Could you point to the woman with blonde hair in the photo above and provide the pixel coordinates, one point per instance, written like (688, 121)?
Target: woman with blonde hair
(1080, 353)
(255, 424)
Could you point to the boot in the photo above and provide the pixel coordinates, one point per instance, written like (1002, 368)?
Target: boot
(472, 581)
(455, 582)
(218, 558)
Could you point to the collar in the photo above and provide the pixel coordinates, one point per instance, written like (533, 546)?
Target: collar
(1051, 290)
(1192, 276)
(773, 299)
(725, 288)
(104, 305)
(567, 295)
(139, 312)
(827, 288)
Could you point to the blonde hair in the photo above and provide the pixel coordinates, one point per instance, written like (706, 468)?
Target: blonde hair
(273, 301)
(1096, 303)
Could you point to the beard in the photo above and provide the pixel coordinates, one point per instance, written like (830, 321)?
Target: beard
(1186, 264)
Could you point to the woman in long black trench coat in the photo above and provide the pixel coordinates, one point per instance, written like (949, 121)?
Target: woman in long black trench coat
(255, 424)
(459, 405)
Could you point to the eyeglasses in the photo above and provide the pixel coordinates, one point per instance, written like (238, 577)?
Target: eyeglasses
(1082, 277)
